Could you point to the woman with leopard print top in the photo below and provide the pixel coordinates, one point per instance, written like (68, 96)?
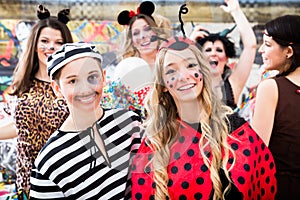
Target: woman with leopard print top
(37, 111)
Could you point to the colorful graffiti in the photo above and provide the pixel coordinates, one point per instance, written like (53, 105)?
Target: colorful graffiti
(13, 34)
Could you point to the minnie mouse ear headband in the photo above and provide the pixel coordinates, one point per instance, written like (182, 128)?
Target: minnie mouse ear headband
(146, 8)
(62, 16)
(69, 52)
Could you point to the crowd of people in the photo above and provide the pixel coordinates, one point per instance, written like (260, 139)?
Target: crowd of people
(189, 144)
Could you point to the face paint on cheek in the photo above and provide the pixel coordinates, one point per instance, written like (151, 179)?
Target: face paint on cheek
(200, 75)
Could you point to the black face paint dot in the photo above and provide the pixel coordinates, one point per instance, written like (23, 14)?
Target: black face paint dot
(196, 75)
(168, 82)
(173, 78)
(171, 86)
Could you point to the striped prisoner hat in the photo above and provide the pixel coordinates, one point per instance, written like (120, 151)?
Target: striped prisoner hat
(69, 52)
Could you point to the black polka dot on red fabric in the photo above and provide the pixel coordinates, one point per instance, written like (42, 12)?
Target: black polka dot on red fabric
(153, 185)
(203, 168)
(185, 185)
(257, 174)
(230, 160)
(141, 181)
(272, 188)
(181, 139)
(150, 156)
(249, 193)
(198, 196)
(190, 152)
(133, 168)
(251, 139)
(246, 152)
(259, 158)
(256, 150)
(268, 179)
(152, 197)
(271, 165)
(258, 184)
(258, 197)
(174, 170)
(138, 196)
(247, 167)
(182, 197)
(207, 153)
(262, 171)
(199, 180)
(147, 170)
(267, 156)
(241, 132)
(262, 192)
(241, 180)
(253, 187)
(195, 140)
(176, 155)
(254, 164)
(170, 183)
(234, 146)
(252, 178)
(187, 166)
(263, 146)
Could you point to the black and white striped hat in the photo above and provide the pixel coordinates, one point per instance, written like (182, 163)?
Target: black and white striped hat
(69, 52)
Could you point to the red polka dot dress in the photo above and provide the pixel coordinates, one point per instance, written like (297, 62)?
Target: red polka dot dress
(253, 174)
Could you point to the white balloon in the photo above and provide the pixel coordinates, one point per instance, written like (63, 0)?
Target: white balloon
(134, 72)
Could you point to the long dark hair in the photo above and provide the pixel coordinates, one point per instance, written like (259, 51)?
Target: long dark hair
(29, 64)
(285, 31)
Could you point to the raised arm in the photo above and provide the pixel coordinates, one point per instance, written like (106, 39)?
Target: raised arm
(243, 68)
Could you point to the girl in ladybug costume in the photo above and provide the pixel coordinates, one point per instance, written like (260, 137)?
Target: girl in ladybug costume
(194, 147)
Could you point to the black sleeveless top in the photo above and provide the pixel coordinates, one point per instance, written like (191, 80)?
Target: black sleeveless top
(285, 139)
(227, 92)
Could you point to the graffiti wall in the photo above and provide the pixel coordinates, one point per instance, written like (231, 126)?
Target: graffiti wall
(13, 34)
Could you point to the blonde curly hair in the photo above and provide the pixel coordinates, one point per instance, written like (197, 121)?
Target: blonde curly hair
(163, 128)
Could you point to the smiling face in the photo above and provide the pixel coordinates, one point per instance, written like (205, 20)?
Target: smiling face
(274, 56)
(216, 56)
(49, 41)
(81, 83)
(141, 33)
(182, 75)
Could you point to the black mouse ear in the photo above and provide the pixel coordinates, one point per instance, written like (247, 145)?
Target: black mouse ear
(42, 12)
(63, 16)
(124, 17)
(147, 8)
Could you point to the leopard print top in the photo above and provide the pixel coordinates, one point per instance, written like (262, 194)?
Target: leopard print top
(38, 114)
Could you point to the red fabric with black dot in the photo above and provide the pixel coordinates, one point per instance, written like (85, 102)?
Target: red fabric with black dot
(142, 94)
(189, 178)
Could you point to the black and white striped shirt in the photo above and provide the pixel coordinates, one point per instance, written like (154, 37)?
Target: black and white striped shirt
(71, 165)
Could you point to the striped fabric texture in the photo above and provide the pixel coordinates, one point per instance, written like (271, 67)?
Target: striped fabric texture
(71, 165)
(69, 52)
